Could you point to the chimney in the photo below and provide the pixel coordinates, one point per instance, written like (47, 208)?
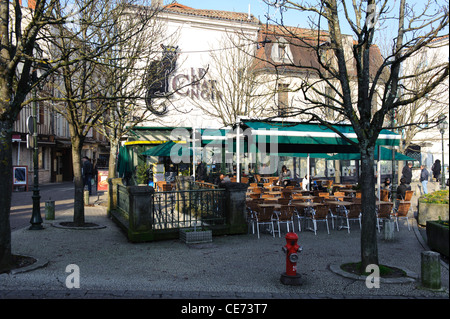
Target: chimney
(157, 3)
(31, 4)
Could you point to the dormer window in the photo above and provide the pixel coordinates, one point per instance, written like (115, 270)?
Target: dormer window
(281, 52)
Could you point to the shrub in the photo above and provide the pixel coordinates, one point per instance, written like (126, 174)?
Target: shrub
(142, 173)
(438, 197)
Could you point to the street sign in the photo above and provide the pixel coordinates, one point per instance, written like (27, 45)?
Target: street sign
(30, 124)
(30, 141)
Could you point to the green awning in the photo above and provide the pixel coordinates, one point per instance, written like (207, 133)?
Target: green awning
(214, 136)
(124, 162)
(165, 149)
(386, 155)
(311, 155)
(312, 134)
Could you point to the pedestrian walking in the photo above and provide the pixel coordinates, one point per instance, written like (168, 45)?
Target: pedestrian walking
(424, 175)
(436, 169)
(86, 172)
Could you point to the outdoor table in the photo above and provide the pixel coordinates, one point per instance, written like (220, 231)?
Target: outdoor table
(269, 205)
(273, 193)
(306, 204)
(379, 202)
(291, 191)
(271, 187)
(308, 198)
(352, 192)
(338, 202)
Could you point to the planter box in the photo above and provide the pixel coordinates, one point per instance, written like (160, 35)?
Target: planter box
(437, 237)
(430, 212)
(189, 236)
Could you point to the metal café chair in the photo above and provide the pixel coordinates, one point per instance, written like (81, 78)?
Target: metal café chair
(319, 214)
(401, 212)
(285, 216)
(266, 216)
(353, 213)
(384, 213)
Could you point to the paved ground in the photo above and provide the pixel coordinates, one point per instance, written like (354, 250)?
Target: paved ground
(232, 267)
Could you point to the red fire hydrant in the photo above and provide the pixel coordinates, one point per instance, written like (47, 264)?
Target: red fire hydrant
(291, 249)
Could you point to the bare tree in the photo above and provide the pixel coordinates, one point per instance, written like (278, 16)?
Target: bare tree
(235, 87)
(345, 65)
(419, 116)
(89, 76)
(126, 67)
(20, 38)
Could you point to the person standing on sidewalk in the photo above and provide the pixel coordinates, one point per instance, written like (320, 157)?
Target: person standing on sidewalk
(436, 169)
(407, 173)
(424, 175)
(87, 171)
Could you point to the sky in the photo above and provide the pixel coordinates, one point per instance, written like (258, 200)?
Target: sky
(257, 7)
(291, 17)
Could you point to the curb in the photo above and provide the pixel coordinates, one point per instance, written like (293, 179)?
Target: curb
(36, 265)
(58, 225)
(410, 276)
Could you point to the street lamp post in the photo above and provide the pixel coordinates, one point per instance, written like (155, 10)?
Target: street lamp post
(36, 219)
(443, 125)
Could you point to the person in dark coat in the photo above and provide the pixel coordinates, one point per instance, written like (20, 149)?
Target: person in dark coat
(200, 172)
(87, 172)
(407, 173)
(436, 169)
(402, 188)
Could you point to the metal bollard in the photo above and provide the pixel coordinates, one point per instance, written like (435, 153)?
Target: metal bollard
(388, 230)
(86, 198)
(50, 210)
(431, 270)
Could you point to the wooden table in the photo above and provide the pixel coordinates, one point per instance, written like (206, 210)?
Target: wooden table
(308, 197)
(338, 202)
(305, 204)
(273, 193)
(379, 202)
(270, 205)
(337, 196)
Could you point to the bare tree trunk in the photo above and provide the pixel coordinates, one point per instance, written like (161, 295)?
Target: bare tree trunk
(78, 211)
(369, 246)
(112, 159)
(5, 190)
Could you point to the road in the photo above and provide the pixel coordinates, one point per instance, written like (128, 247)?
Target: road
(22, 202)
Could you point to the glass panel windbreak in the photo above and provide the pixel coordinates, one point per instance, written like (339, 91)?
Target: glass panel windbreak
(188, 208)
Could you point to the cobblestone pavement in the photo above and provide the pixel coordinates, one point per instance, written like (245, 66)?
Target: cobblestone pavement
(231, 267)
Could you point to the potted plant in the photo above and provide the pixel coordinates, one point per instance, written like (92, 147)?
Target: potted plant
(433, 206)
(195, 235)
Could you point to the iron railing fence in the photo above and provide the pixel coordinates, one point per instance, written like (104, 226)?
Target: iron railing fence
(188, 208)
